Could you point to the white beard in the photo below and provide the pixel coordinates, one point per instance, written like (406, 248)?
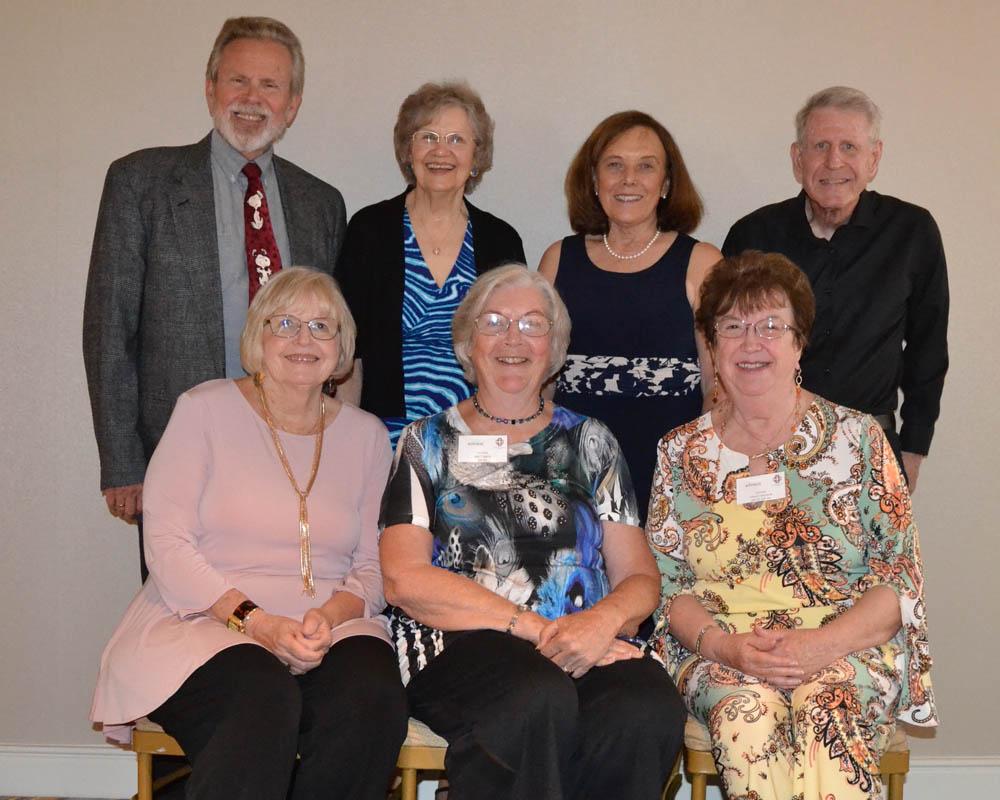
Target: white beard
(274, 128)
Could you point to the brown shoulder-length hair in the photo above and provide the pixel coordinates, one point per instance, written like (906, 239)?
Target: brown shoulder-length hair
(751, 281)
(682, 208)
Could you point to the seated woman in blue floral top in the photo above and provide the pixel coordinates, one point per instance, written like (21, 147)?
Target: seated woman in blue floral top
(512, 556)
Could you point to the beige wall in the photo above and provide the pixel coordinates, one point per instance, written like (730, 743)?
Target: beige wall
(85, 82)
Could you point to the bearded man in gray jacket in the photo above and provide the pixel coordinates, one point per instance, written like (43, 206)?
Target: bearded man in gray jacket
(178, 250)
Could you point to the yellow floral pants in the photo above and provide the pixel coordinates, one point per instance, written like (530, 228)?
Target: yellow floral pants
(820, 741)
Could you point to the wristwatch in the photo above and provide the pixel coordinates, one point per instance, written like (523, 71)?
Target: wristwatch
(238, 619)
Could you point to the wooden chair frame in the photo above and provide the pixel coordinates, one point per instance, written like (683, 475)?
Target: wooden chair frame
(700, 766)
(423, 750)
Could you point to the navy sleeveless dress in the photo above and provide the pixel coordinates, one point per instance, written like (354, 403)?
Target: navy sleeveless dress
(632, 362)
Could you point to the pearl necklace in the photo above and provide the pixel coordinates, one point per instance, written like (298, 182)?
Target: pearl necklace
(634, 256)
(503, 420)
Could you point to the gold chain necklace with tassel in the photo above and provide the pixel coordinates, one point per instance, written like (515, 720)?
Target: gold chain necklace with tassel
(305, 549)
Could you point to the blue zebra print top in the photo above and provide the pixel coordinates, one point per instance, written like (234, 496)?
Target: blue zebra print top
(432, 376)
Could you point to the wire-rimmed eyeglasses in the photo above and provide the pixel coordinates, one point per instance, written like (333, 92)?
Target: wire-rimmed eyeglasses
(286, 326)
(767, 328)
(493, 324)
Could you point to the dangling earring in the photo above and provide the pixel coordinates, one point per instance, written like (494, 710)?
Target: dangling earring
(716, 384)
(798, 383)
(666, 190)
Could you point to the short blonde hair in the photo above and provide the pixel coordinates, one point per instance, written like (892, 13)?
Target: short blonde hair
(419, 108)
(284, 290)
(463, 326)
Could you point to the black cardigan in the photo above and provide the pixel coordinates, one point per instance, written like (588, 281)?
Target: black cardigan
(370, 273)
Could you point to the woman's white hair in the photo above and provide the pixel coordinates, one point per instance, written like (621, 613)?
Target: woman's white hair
(463, 326)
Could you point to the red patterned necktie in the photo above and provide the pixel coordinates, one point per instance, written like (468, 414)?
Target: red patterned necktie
(263, 258)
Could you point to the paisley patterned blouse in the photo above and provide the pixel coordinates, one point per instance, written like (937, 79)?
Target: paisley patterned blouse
(843, 527)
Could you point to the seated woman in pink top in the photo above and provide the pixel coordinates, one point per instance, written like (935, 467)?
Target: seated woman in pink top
(257, 636)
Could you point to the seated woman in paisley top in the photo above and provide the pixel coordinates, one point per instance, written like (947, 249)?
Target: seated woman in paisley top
(793, 609)
(512, 556)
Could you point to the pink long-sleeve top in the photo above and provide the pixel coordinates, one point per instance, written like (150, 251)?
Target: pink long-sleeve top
(219, 513)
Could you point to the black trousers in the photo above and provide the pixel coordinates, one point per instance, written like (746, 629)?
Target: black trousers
(241, 718)
(518, 727)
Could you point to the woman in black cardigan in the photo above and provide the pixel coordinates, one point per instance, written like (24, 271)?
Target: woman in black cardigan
(408, 261)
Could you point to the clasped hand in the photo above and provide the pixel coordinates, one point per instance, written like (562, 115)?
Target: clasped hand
(300, 645)
(782, 658)
(577, 642)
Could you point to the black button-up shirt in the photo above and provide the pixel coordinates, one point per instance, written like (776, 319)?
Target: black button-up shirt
(881, 289)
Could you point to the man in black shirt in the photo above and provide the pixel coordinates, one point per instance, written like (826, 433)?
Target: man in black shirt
(876, 265)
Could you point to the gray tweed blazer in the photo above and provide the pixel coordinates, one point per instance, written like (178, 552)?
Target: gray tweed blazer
(152, 318)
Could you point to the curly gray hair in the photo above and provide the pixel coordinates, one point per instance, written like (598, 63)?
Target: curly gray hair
(420, 108)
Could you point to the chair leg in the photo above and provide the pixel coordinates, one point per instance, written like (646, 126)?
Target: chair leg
(699, 786)
(673, 781)
(144, 762)
(408, 787)
(895, 786)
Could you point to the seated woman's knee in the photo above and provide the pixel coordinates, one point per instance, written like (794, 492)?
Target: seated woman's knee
(535, 686)
(641, 692)
(277, 701)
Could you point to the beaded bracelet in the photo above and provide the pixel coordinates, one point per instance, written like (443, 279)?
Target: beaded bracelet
(513, 620)
(701, 635)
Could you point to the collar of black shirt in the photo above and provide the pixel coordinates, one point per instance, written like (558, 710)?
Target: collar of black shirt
(863, 216)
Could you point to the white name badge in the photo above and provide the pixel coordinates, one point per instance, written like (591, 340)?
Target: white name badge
(760, 488)
(491, 449)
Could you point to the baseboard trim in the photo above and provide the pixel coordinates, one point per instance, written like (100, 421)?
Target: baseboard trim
(928, 779)
(101, 770)
(109, 772)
